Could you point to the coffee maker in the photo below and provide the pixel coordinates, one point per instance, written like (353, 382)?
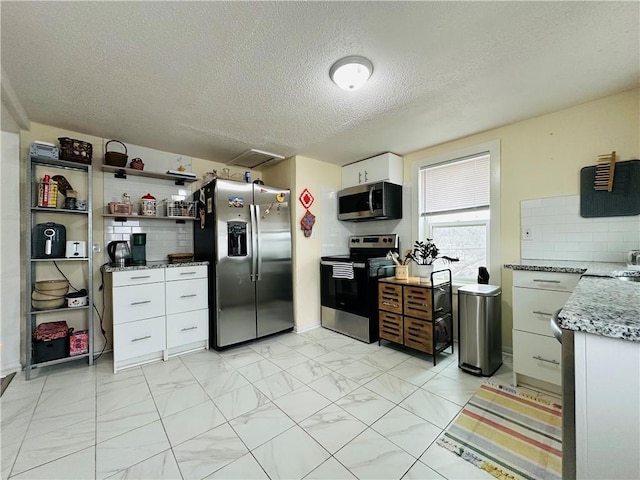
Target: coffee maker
(138, 249)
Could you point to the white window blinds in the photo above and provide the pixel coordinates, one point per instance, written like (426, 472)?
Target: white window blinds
(460, 185)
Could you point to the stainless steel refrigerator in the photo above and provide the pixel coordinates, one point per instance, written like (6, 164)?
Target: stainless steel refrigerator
(244, 231)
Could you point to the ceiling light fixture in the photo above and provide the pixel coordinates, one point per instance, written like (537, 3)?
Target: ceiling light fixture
(351, 73)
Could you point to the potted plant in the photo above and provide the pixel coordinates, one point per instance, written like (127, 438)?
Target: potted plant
(424, 254)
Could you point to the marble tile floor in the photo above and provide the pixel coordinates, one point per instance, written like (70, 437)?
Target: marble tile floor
(316, 405)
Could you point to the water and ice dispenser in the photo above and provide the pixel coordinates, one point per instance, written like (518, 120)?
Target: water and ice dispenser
(236, 239)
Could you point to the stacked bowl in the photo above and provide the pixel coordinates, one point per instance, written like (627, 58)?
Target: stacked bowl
(49, 294)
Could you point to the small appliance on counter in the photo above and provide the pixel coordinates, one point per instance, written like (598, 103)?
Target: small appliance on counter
(633, 259)
(48, 240)
(138, 249)
(77, 299)
(119, 253)
(76, 249)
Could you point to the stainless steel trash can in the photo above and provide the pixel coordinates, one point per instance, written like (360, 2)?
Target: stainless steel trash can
(479, 329)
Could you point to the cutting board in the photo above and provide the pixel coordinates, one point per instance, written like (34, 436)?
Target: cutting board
(622, 200)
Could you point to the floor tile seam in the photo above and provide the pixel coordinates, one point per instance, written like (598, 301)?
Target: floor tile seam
(282, 433)
(51, 461)
(24, 435)
(420, 417)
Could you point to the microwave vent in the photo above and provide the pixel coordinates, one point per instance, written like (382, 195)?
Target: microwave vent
(255, 158)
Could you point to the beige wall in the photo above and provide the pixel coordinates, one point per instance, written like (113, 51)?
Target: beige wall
(315, 176)
(542, 157)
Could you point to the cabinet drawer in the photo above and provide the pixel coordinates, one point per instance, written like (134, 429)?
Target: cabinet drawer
(185, 328)
(564, 282)
(187, 295)
(390, 297)
(185, 273)
(137, 277)
(391, 326)
(135, 339)
(537, 356)
(417, 302)
(138, 301)
(418, 334)
(533, 308)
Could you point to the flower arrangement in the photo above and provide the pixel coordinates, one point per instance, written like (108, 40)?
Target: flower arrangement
(425, 253)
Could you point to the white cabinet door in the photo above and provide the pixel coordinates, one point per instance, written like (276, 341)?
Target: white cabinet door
(135, 302)
(563, 282)
(186, 273)
(537, 356)
(385, 167)
(607, 386)
(186, 295)
(135, 339)
(533, 308)
(352, 175)
(137, 277)
(185, 328)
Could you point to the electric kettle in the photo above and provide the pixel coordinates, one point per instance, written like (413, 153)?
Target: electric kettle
(119, 253)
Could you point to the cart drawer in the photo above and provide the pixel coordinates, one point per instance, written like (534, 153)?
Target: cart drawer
(390, 297)
(417, 302)
(391, 326)
(418, 334)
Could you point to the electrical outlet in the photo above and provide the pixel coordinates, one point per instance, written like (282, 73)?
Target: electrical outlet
(96, 248)
(527, 233)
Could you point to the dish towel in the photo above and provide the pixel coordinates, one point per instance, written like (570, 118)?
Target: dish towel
(343, 270)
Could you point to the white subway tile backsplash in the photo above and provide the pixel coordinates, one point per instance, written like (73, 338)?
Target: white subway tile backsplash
(163, 236)
(560, 233)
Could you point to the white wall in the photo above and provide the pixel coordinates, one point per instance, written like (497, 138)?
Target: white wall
(10, 319)
(558, 232)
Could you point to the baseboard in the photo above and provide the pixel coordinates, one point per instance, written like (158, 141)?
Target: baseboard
(306, 329)
(12, 368)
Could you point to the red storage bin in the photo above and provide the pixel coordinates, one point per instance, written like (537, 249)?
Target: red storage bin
(50, 341)
(79, 343)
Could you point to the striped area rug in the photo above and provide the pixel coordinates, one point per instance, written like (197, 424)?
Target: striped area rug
(509, 434)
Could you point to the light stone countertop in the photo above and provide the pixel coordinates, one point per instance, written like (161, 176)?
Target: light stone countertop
(600, 303)
(162, 264)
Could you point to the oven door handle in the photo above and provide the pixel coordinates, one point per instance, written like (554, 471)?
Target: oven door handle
(371, 199)
(330, 263)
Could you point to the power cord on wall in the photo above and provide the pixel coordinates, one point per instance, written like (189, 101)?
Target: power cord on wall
(100, 316)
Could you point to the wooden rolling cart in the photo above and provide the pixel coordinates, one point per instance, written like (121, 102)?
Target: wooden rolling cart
(417, 315)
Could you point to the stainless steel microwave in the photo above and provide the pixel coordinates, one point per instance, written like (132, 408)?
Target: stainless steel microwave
(375, 201)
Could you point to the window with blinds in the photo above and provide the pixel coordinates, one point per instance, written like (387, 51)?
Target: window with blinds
(458, 186)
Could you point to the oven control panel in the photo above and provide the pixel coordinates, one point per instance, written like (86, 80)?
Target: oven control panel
(388, 241)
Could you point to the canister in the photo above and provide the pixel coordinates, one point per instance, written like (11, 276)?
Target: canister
(148, 205)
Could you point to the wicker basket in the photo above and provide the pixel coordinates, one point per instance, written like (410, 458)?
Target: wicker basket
(74, 150)
(115, 159)
(180, 257)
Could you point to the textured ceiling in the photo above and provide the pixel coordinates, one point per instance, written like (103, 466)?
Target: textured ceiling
(212, 79)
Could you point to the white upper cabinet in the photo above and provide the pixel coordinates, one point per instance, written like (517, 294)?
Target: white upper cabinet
(384, 167)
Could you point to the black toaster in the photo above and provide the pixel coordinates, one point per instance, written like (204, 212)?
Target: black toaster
(48, 240)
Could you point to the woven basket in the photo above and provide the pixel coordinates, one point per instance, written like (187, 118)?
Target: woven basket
(115, 159)
(74, 150)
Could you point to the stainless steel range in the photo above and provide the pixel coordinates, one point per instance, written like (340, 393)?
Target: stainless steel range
(349, 285)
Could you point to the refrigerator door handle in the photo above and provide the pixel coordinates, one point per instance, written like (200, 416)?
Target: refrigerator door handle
(254, 243)
(257, 235)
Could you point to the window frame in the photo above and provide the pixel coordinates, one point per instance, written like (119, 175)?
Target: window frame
(492, 148)
(486, 223)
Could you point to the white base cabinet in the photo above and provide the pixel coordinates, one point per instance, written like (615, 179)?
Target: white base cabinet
(536, 353)
(385, 167)
(158, 313)
(607, 392)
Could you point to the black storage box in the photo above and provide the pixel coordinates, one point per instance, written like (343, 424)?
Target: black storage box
(50, 342)
(45, 351)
